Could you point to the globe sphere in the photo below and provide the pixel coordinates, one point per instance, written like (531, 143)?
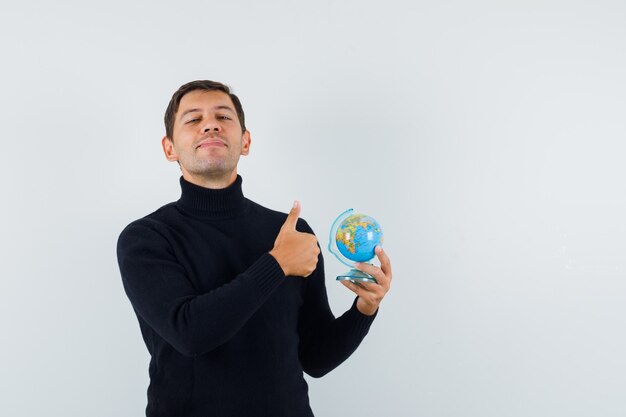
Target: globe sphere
(357, 236)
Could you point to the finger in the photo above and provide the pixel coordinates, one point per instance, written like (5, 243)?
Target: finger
(385, 263)
(371, 287)
(372, 270)
(292, 217)
(355, 288)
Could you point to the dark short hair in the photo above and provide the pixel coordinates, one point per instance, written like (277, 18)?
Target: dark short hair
(172, 107)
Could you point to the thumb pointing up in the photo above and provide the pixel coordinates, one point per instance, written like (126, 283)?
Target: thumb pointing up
(292, 217)
(295, 252)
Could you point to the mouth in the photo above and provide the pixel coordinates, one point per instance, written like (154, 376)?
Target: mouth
(212, 142)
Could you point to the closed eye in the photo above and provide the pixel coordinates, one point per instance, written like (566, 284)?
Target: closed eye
(191, 121)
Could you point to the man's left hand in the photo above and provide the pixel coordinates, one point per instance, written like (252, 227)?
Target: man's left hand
(372, 293)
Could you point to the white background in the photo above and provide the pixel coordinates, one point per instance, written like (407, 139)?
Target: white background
(486, 137)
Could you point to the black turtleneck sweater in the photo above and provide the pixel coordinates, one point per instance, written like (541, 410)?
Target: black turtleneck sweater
(228, 333)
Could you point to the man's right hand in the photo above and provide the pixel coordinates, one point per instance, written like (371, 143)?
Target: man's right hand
(295, 252)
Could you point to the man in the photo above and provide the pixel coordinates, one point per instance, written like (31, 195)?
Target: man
(230, 296)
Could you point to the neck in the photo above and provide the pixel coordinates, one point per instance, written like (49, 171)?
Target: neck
(214, 182)
(212, 202)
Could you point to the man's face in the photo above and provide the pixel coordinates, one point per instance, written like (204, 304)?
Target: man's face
(207, 137)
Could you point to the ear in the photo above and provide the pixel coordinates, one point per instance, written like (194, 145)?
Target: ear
(168, 149)
(245, 142)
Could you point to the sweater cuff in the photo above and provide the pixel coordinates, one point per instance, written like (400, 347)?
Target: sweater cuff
(361, 322)
(267, 273)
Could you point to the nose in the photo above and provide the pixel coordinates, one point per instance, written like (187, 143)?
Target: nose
(211, 126)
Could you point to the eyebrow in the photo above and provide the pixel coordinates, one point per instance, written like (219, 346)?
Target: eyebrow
(221, 107)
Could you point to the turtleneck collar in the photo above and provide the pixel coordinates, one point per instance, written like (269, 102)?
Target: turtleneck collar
(210, 202)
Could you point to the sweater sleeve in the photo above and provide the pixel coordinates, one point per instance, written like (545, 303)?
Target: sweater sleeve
(326, 341)
(161, 294)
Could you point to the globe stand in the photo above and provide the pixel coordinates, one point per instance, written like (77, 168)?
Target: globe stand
(355, 276)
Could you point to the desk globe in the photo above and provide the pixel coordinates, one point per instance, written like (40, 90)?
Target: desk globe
(353, 238)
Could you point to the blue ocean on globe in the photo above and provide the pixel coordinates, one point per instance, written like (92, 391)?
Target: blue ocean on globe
(357, 236)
